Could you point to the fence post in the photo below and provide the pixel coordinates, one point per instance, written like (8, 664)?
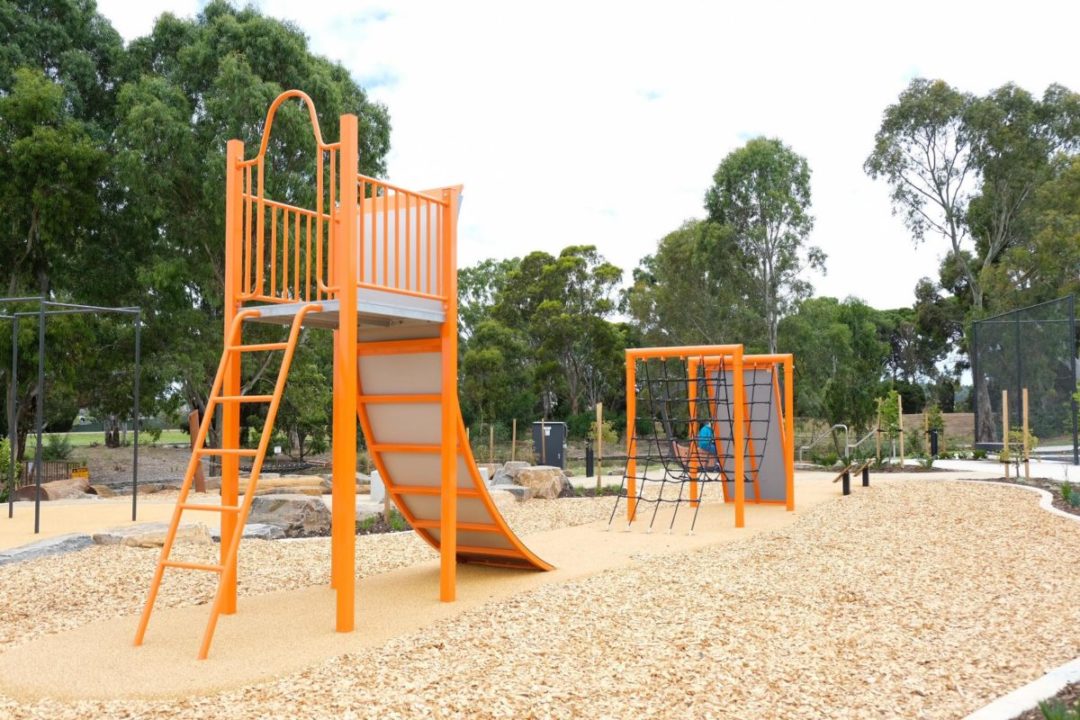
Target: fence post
(1027, 437)
(599, 444)
(900, 419)
(513, 441)
(1005, 431)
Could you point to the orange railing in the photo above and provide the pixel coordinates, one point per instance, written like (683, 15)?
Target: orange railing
(287, 252)
(401, 240)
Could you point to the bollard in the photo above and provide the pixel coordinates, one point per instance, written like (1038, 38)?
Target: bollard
(866, 475)
(589, 458)
(847, 481)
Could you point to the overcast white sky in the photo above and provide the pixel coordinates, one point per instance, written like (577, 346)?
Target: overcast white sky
(602, 123)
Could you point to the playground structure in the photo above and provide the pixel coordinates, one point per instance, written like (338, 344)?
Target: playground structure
(714, 415)
(376, 264)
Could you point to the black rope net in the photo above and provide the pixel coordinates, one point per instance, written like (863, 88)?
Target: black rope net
(684, 430)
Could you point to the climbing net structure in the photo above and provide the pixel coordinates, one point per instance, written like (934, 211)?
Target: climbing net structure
(706, 416)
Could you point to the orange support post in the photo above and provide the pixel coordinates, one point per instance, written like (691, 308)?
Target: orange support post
(789, 426)
(738, 437)
(631, 424)
(691, 372)
(230, 413)
(448, 526)
(344, 254)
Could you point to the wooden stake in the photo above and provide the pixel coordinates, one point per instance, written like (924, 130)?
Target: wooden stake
(193, 427)
(900, 418)
(543, 442)
(513, 441)
(599, 444)
(1027, 436)
(1005, 430)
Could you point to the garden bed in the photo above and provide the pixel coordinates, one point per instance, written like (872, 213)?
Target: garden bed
(1067, 699)
(1054, 488)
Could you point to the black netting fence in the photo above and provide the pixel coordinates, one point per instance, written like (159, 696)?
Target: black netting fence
(1033, 348)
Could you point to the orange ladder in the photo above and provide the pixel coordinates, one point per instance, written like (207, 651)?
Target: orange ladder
(226, 570)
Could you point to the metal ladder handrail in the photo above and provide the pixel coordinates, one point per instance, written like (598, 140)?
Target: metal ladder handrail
(825, 433)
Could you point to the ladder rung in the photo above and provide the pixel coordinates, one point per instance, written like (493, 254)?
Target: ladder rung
(405, 448)
(242, 452)
(211, 508)
(245, 398)
(193, 566)
(390, 399)
(467, 527)
(259, 347)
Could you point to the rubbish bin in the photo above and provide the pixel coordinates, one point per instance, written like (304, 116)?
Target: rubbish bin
(933, 443)
(549, 443)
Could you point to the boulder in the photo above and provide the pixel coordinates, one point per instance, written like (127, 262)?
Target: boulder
(148, 535)
(544, 481)
(518, 492)
(503, 498)
(296, 515)
(506, 474)
(53, 546)
(102, 491)
(255, 531)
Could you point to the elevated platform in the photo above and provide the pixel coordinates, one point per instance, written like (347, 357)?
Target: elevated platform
(375, 308)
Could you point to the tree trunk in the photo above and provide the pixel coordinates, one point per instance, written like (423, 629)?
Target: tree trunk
(56, 490)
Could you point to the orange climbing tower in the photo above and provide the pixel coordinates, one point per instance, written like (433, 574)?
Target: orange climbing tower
(377, 265)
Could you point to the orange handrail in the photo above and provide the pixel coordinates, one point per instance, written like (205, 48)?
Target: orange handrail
(287, 252)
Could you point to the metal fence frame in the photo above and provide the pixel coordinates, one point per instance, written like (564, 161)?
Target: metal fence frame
(61, 308)
(1017, 318)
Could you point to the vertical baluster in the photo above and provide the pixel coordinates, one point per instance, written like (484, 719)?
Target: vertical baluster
(331, 202)
(397, 239)
(249, 234)
(363, 235)
(385, 238)
(408, 236)
(307, 262)
(285, 252)
(260, 234)
(427, 204)
(419, 232)
(375, 234)
(296, 259)
(273, 249)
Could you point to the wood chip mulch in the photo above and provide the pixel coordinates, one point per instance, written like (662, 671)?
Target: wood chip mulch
(913, 600)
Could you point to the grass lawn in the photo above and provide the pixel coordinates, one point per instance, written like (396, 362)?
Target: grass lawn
(88, 439)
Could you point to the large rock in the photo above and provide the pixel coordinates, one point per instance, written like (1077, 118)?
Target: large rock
(256, 531)
(148, 535)
(544, 481)
(505, 496)
(52, 546)
(296, 515)
(56, 490)
(508, 472)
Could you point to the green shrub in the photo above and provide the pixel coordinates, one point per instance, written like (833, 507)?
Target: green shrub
(1057, 710)
(1070, 494)
(927, 461)
(57, 447)
(978, 454)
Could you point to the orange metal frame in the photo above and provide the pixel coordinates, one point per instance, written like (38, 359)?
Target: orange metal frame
(733, 358)
(278, 253)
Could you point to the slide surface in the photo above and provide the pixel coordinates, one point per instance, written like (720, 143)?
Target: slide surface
(399, 409)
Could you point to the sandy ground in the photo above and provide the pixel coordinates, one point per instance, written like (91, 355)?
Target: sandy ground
(908, 599)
